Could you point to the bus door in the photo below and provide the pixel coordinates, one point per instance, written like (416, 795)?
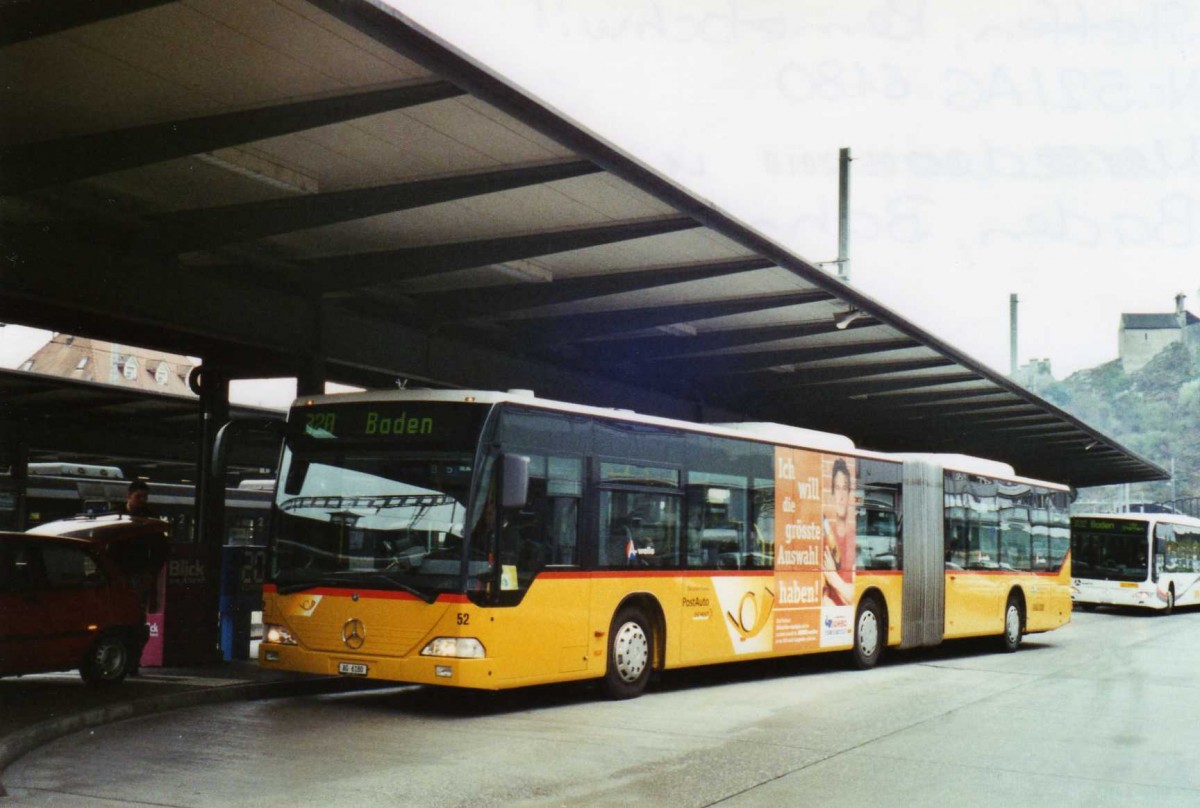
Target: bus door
(974, 587)
(639, 531)
(727, 612)
(545, 628)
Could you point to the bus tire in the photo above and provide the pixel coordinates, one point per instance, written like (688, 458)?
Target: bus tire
(630, 654)
(870, 633)
(1014, 624)
(107, 662)
(1170, 600)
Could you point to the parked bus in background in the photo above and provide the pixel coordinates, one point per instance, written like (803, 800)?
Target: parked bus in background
(496, 540)
(1148, 560)
(56, 491)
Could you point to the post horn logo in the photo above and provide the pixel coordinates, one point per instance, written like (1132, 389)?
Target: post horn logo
(354, 633)
(752, 617)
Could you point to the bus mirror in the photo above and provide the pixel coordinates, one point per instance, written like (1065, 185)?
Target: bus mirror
(243, 429)
(514, 475)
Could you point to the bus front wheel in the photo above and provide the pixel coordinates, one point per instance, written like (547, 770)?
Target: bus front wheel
(1013, 624)
(1170, 600)
(870, 634)
(630, 654)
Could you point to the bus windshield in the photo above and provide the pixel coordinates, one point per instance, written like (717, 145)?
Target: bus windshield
(377, 520)
(360, 506)
(1110, 549)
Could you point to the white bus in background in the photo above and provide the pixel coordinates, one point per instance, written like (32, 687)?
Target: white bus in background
(1147, 560)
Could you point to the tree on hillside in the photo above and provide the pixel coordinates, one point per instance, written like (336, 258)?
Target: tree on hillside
(1154, 412)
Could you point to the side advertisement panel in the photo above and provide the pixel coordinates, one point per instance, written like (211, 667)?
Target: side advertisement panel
(814, 549)
(808, 603)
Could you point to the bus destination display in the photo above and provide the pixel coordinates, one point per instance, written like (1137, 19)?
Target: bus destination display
(408, 423)
(1109, 525)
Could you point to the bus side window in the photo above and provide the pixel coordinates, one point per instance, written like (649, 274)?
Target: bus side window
(1015, 538)
(878, 530)
(983, 531)
(762, 504)
(639, 519)
(1188, 542)
(545, 531)
(956, 538)
(564, 490)
(716, 528)
(1164, 536)
(564, 529)
(524, 540)
(639, 529)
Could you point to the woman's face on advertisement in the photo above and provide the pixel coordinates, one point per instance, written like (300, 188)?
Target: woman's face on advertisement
(841, 494)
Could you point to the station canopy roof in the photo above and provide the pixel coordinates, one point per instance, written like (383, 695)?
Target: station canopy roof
(145, 434)
(264, 183)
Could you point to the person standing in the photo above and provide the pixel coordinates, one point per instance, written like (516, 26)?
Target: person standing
(137, 499)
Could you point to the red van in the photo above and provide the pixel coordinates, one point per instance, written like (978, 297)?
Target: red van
(73, 594)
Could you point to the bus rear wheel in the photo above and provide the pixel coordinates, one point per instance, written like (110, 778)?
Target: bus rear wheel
(630, 654)
(870, 633)
(1013, 624)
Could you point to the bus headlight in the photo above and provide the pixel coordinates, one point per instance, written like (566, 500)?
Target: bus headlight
(277, 634)
(458, 647)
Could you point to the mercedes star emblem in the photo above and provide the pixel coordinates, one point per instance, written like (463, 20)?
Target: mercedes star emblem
(354, 633)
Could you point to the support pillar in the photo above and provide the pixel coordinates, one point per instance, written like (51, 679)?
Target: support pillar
(310, 381)
(14, 453)
(213, 387)
(312, 372)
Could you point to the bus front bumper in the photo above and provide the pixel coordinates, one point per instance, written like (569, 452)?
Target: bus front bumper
(423, 670)
(1117, 594)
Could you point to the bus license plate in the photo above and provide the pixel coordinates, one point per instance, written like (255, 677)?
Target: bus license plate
(352, 668)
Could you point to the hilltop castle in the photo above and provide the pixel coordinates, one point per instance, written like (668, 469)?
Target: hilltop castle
(1139, 339)
(1142, 336)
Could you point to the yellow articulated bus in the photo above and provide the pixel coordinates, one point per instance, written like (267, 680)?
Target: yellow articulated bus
(497, 540)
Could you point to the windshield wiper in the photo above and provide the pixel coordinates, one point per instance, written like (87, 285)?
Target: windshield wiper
(377, 503)
(428, 597)
(341, 579)
(301, 585)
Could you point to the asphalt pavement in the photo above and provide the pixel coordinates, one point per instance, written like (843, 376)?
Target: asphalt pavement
(39, 708)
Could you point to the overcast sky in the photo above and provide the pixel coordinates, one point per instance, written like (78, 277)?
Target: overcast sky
(1047, 149)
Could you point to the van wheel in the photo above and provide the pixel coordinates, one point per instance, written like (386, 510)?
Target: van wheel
(1014, 621)
(108, 662)
(870, 634)
(630, 654)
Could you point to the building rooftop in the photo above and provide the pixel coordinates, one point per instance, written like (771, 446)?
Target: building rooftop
(110, 363)
(1148, 322)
